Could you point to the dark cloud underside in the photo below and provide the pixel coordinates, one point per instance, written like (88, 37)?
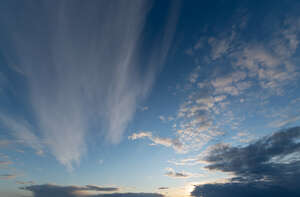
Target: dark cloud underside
(49, 190)
(267, 167)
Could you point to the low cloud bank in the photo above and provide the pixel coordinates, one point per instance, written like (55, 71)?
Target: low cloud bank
(49, 190)
(268, 167)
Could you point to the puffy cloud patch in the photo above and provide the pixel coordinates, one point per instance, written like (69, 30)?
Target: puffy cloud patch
(238, 76)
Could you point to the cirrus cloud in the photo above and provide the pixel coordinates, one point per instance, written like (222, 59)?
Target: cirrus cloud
(81, 71)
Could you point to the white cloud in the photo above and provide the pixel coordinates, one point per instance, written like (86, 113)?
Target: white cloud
(271, 70)
(194, 75)
(145, 108)
(191, 161)
(162, 118)
(23, 133)
(86, 79)
(244, 137)
(283, 122)
(220, 46)
(168, 142)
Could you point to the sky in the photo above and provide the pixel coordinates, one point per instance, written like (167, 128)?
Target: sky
(147, 98)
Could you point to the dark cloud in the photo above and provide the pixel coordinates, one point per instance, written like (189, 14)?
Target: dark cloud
(270, 167)
(271, 156)
(243, 189)
(49, 190)
(56, 190)
(130, 195)
(162, 188)
(97, 188)
(7, 176)
(171, 173)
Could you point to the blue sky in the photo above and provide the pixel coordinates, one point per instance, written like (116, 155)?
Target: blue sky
(146, 96)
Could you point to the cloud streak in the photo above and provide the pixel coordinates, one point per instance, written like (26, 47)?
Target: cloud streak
(168, 142)
(23, 133)
(82, 70)
(7, 176)
(49, 190)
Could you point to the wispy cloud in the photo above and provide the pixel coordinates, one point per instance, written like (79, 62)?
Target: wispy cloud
(5, 163)
(82, 74)
(168, 142)
(25, 182)
(7, 176)
(283, 122)
(23, 133)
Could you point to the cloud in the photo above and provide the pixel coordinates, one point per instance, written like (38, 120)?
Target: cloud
(3, 156)
(163, 188)
(100, 161)
(5, 162)
(220, 46)
(145, 108)
(195, 117)
(242, 189)
(194, 75)
(25, 182)
(168, 142)
(268, 68)
(130, 195)
(281, 123)
(67, 190)
(255, 160)
(4, 142)
(97, 188)
(86, 73)
(162, 118)
(237, 75)
(191, 161)
(22, 131)
(49, 190)
(226, 84)
(244, 137)
(171, 173)
(267, 166)
(7, 176)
